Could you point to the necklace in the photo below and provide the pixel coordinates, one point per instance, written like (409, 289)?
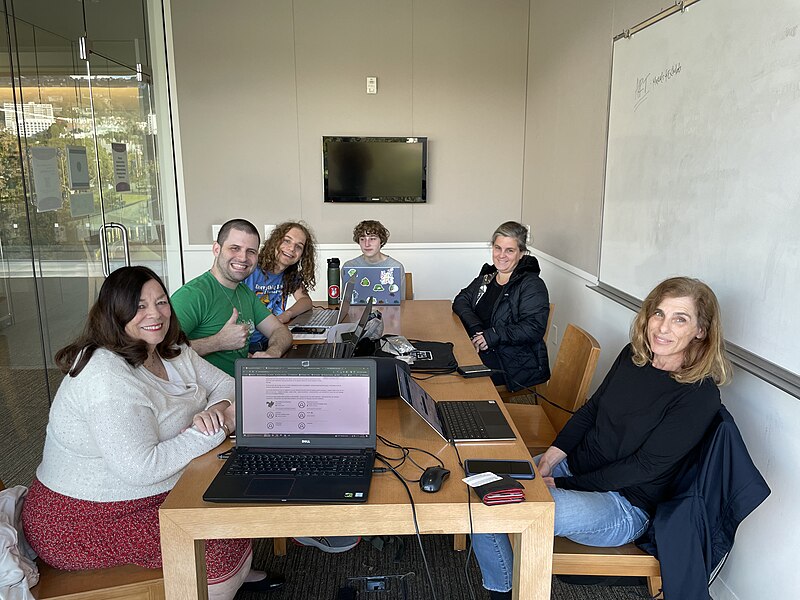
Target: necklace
(153, 364)
(240, 319)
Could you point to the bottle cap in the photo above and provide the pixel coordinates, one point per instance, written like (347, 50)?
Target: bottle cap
(333, 262)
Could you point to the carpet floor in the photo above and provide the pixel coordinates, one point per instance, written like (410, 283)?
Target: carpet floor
(24, 409)
(315, 575)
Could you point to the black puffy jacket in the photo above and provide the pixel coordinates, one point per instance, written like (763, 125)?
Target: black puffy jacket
(518, 323)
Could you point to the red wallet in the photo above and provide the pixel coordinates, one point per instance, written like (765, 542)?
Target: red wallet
(506, 490)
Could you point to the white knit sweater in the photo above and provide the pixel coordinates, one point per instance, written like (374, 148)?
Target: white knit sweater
(119, 433)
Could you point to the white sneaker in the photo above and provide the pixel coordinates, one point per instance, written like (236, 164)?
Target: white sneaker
(332, 545)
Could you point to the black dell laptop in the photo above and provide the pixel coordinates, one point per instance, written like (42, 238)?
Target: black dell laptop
(305, 432)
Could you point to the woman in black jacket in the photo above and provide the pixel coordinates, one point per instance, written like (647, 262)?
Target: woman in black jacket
(505, 310)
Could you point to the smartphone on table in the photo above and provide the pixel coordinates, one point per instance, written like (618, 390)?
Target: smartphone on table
(518, 469)
(298, 329)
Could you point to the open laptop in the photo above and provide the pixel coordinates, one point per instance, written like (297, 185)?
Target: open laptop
(305, 432)
(343, 349)
(457, 420)
(382, 284)
(323, 319)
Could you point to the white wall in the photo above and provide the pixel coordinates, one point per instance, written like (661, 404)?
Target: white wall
(568, 86)
(257, 84)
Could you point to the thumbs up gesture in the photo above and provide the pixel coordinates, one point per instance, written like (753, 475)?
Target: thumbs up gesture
(233, 335)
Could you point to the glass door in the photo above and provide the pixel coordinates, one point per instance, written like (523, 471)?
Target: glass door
(79, 194)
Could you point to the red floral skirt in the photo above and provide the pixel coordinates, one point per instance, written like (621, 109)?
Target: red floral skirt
(73, 535)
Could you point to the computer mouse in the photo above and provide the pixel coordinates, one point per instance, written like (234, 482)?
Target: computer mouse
(432, 479)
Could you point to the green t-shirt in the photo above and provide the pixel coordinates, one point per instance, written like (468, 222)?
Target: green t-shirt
(204, 305)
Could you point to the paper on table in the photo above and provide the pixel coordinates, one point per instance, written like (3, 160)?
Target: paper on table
(480, 479)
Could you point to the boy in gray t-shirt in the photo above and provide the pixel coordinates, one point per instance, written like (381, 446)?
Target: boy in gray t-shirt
(372, 236)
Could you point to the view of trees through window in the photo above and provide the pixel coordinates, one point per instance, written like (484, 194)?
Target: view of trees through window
(57, 113)
(56, 92)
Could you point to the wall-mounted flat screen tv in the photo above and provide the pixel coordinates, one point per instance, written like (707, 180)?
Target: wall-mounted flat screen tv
(375, 169)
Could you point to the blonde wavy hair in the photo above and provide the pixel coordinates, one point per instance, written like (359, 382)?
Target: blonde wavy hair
(303, 272)
(703, 357)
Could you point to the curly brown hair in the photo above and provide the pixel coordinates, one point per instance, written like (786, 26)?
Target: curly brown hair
(116, 306)
(303, 272)
(703, 357)
(371, 228)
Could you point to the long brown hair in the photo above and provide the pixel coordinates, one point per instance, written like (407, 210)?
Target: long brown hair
(703, 357)
(303, 272)
(116, 306)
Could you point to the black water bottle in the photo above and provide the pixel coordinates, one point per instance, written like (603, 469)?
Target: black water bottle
(333, 281)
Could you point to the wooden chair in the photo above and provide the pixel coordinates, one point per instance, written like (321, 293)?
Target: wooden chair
(568, 388)
(409, 287)
(570, 558)
(126, 582)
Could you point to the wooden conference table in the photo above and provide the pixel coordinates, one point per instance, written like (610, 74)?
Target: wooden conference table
(186, 520)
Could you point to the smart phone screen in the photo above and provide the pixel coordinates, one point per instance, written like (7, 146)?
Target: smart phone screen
(518, 469)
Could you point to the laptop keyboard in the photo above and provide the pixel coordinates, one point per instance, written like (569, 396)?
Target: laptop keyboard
(298, 465)
(323, 318)
(462, 420)
(327, 351)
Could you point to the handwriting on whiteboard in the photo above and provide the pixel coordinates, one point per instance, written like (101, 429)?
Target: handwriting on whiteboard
(648, 83)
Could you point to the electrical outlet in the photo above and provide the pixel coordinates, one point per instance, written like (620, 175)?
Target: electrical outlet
(553, 337)
(377, 584)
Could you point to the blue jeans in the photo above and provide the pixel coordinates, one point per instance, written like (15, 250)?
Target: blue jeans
(590, 518)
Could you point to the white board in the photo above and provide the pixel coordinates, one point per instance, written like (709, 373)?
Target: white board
(703, 166)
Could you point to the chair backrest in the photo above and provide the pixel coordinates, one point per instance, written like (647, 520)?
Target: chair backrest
(409, 287)
(571, 375)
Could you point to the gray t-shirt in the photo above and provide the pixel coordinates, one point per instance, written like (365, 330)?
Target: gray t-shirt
(360, 261)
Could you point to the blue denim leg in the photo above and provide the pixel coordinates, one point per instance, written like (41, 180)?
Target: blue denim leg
(590, 518)
(494, 556)
(603, 519)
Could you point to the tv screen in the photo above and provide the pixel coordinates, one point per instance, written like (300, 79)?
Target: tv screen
(375, 169)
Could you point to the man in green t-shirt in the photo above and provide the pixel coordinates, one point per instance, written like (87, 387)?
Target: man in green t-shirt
(218, 312)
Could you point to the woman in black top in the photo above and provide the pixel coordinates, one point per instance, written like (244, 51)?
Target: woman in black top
(615, 459)
(505, 310)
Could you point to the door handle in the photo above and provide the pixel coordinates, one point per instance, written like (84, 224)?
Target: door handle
(106, 259)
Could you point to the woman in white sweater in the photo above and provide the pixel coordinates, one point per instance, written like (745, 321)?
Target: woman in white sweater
(136, 406)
